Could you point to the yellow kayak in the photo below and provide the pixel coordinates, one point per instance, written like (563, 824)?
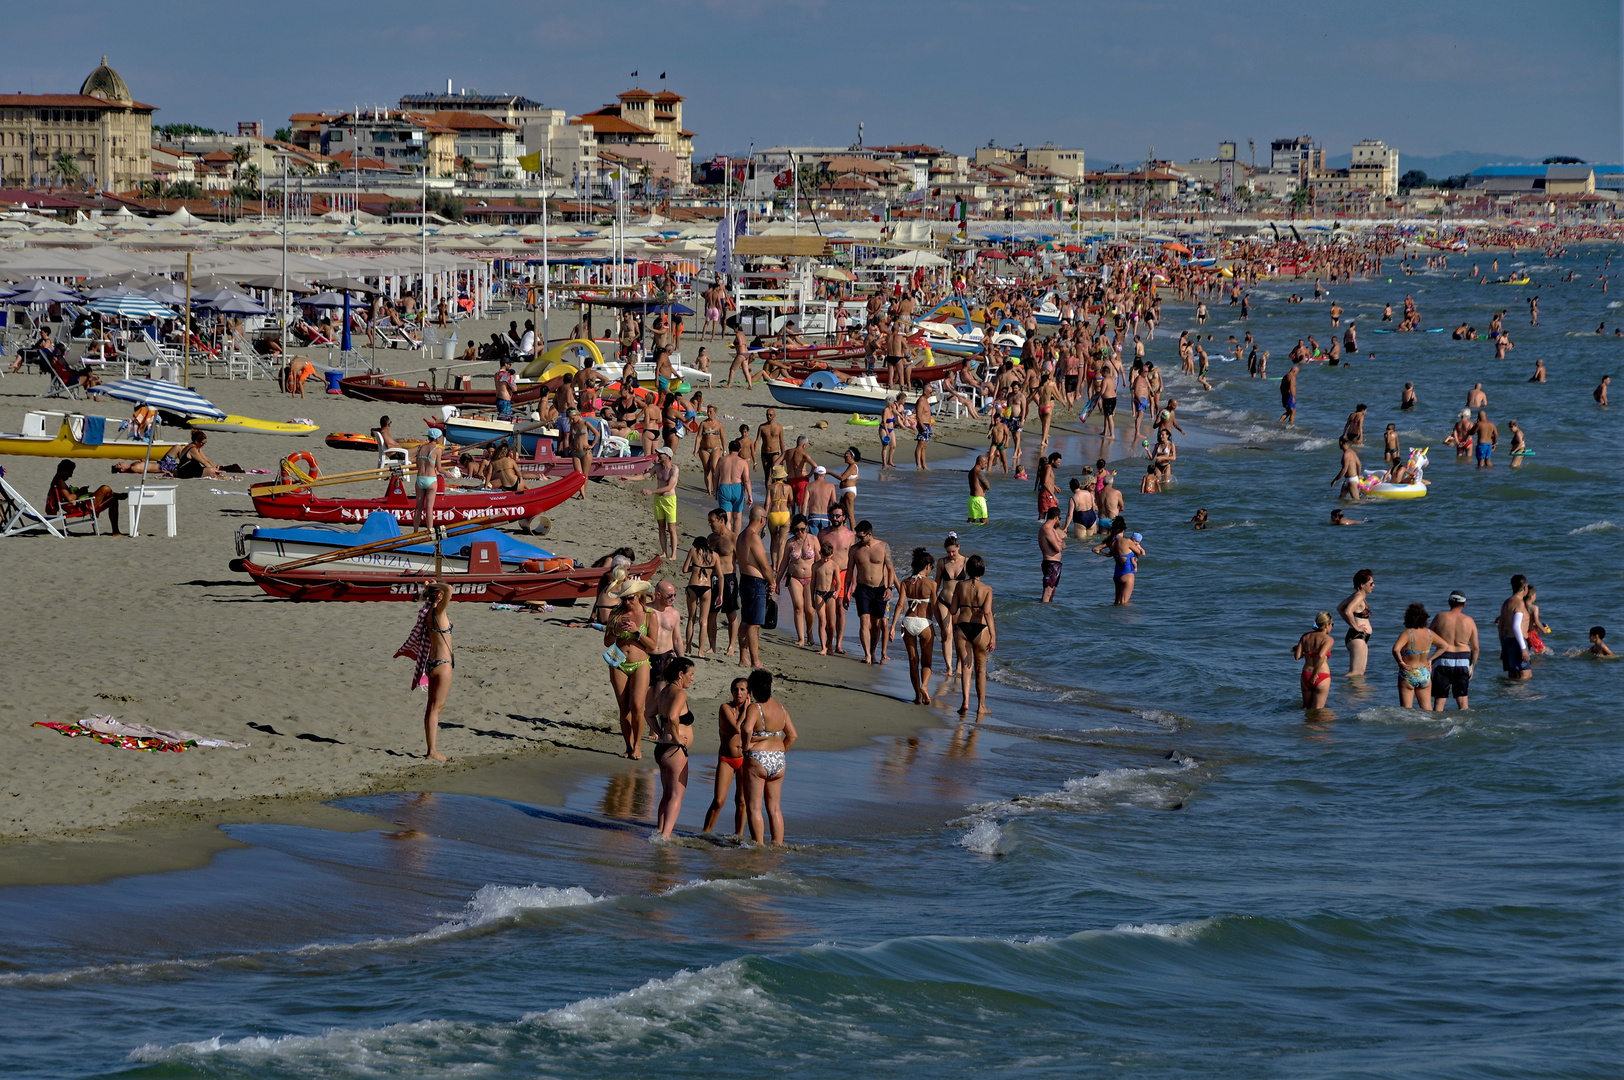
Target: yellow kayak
(77, 435)
(247, 425)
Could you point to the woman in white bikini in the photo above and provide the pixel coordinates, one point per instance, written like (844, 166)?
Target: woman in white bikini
(768, 733)
(916, 602)
(848, 483)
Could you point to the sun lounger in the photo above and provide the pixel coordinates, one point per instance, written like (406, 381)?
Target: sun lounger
(17, 516)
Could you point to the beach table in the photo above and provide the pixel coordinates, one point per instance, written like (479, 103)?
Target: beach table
(152, 495)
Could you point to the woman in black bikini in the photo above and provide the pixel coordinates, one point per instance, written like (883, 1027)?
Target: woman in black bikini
(442, 662)
(1355, 611)
(949, 572)
(974, 632)
(671, 723)
(701, 570)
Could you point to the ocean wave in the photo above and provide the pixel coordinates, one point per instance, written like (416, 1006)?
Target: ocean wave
(399, 1047)
(1594, 526)
(984, 838)
(1313, 444)
(1183, 931)
(720, 992)
(1160, 788)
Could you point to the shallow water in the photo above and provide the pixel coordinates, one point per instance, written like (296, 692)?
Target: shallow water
(1144, 860)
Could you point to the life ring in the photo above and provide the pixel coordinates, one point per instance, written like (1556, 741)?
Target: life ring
(294, 471)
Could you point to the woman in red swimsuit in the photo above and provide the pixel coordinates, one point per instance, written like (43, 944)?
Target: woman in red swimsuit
(1314, 650)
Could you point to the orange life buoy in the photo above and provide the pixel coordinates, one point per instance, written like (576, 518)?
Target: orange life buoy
(310, 473)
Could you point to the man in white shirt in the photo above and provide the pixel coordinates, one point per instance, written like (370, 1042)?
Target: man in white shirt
(527, 341)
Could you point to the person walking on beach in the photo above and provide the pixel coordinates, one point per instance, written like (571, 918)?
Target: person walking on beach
(665, 500)
(671, 723)
(428, 477)
(1452, 669)
(1513, 624)
(1124, 548)
(974, 632)
(923, 429)
(1355, 611)
(741, 360)
(730, 756)
(755, 571)
(976, 505)
(1051, 546)
(627, 648)
(916, 603)
(1413, 651)
(870, 566)
(429, 645)
(665, 627)
(734, 487)
(1314, 650)
(770, 435)
(768, 734)
(949, 572)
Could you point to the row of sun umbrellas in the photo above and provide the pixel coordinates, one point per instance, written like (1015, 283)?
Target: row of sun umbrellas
(144, 296)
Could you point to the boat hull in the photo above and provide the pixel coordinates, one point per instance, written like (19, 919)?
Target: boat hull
(370, 388)
(247, 425)
(543, 462)
(836, 401)
(451, 507)
(64, 445)
(324, 583)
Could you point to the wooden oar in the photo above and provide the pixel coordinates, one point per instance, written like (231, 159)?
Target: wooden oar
(324, 481)
(391, 544)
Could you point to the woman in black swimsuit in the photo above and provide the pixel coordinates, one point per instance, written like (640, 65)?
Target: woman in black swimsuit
(672, 724)
(700, 567)
(974, 632)
(1355, 611)
(949, 572)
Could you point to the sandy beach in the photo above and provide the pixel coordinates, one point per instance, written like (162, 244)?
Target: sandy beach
(159, 631)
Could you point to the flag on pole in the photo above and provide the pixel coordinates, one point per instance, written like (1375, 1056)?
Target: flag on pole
(530, 162)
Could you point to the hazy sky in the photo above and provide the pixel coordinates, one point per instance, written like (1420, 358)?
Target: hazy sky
(1114, 78)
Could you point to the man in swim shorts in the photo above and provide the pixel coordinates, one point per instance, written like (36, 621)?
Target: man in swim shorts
(1051, 546)
(1512, 624)
(1486, 436)
(665, 500)
(870, 565)
(734, 490)
(976, 505)
(1452, 669)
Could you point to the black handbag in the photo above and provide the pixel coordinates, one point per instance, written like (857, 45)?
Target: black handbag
(771, 622)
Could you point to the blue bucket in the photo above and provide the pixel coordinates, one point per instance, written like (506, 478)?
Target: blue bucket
(333, 379)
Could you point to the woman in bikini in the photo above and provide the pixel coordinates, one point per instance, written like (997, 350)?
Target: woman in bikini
(1314, 650)
(1355, 611)
(795, 566)
(730, 757)
(1413, 651)
(708, 447)
(768, 733)
(428, 477)
(1046, 395)
(974, 632)
(700, 566)
(824, 605)
(780, 508)
(949, 572)
(1126, 551)
(442, 661)
(916, 601)
(671, 723)
(627, 647)
(848, 482)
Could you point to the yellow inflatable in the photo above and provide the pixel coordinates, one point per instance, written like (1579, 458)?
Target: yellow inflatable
(550, 364)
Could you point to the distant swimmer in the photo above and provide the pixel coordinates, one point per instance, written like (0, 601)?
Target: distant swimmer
(1288, 392)
(1338, 518)
(1200, 519)
(1600, 393)
(1314, 650)
(1452, 669)
(1406, 397)
(1539, 371)
(1476, 397)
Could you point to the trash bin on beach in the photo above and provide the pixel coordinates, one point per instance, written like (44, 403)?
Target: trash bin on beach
(334, 377)
(448, 348)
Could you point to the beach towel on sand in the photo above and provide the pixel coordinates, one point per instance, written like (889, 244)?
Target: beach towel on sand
(145, 737)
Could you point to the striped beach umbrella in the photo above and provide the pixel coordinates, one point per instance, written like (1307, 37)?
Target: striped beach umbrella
(167, 396)
(127, 306)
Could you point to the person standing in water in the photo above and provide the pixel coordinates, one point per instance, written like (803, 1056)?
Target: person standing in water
(916, 603)
(1413, 652)
(1452, 669)
(1288, 392)
(730, 757)
(1513, 623)
(1314, 650)
(1355, 611)
(671, 723)
(1124, 548)
(768, 733)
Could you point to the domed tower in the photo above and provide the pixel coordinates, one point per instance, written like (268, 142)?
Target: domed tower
(107, 84)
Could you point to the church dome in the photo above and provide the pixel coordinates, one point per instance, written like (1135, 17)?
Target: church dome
(107, 84)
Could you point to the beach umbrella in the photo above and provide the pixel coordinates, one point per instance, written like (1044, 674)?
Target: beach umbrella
(326, 299)
(212, 296)
(111, 290)
(349, 285)
(833, 273)
(39, 291)
(236, 305)
(168, 293)
(668, 309)
(129, 278)
(166, 396)
(130, 307)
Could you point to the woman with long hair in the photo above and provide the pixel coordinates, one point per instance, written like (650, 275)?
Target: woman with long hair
(671, 723)
(916, 603)
(795, 568)
(430, 646)
(974, 632)
(768, 734)
(1414, 653)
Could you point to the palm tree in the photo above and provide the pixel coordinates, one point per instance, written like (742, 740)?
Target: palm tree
(645, 173)
(239, 154)
(250, 177)
(465, 165)
(65, 166)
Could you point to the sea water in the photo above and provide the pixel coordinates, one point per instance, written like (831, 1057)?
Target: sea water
(1144, 862)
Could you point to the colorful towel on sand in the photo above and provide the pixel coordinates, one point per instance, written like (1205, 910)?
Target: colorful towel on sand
(417, 648)
(151, 746)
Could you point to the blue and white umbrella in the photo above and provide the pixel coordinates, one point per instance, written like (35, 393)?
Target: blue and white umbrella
(167, 396)
(130, 307)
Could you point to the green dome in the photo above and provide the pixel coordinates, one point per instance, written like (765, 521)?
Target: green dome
(107, 84)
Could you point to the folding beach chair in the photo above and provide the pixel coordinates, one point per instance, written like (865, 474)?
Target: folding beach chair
(17, 516)
(64, 380)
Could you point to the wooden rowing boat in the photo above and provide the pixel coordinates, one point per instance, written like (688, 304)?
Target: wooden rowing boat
(451, 505)
(485, 581)
(371, 387)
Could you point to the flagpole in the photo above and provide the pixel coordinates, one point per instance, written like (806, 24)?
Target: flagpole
(186, 341)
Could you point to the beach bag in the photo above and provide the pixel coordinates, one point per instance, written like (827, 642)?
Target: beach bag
(771, 622)
(613, 656)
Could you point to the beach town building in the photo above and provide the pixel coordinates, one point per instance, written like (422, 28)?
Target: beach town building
(103, 131)
(567, 149)
(486, 148)
(1296, 156)
(400, 140)
(1531, 179)
(1373, 166)
(1064, 161)
(647, 127)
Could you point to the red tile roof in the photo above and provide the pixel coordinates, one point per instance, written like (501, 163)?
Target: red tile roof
(468, 121)
(67, 101)
(666, 97)
(636, 95)
(612, 124)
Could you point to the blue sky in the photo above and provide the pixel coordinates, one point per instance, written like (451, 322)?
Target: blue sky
(1114, 78)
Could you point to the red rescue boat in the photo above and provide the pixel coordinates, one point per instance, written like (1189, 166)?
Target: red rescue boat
(544, 462)
(485, 582)
(372, 387)
(921, 373)
(451, 505)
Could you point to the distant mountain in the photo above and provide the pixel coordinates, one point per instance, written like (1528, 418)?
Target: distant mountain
(1444, 165)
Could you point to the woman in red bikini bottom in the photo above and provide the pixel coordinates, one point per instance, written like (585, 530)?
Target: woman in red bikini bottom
(730, 757)
(1314, 650)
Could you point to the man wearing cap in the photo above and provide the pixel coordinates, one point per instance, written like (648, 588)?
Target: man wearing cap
(734, 491)
(755, 570)
(820, 496)
(504, 390)
(665, 500)
(1453, 668)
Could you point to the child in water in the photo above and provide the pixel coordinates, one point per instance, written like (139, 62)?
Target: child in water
(1598, 647)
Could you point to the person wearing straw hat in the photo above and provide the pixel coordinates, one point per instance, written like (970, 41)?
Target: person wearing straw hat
(627, 648)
